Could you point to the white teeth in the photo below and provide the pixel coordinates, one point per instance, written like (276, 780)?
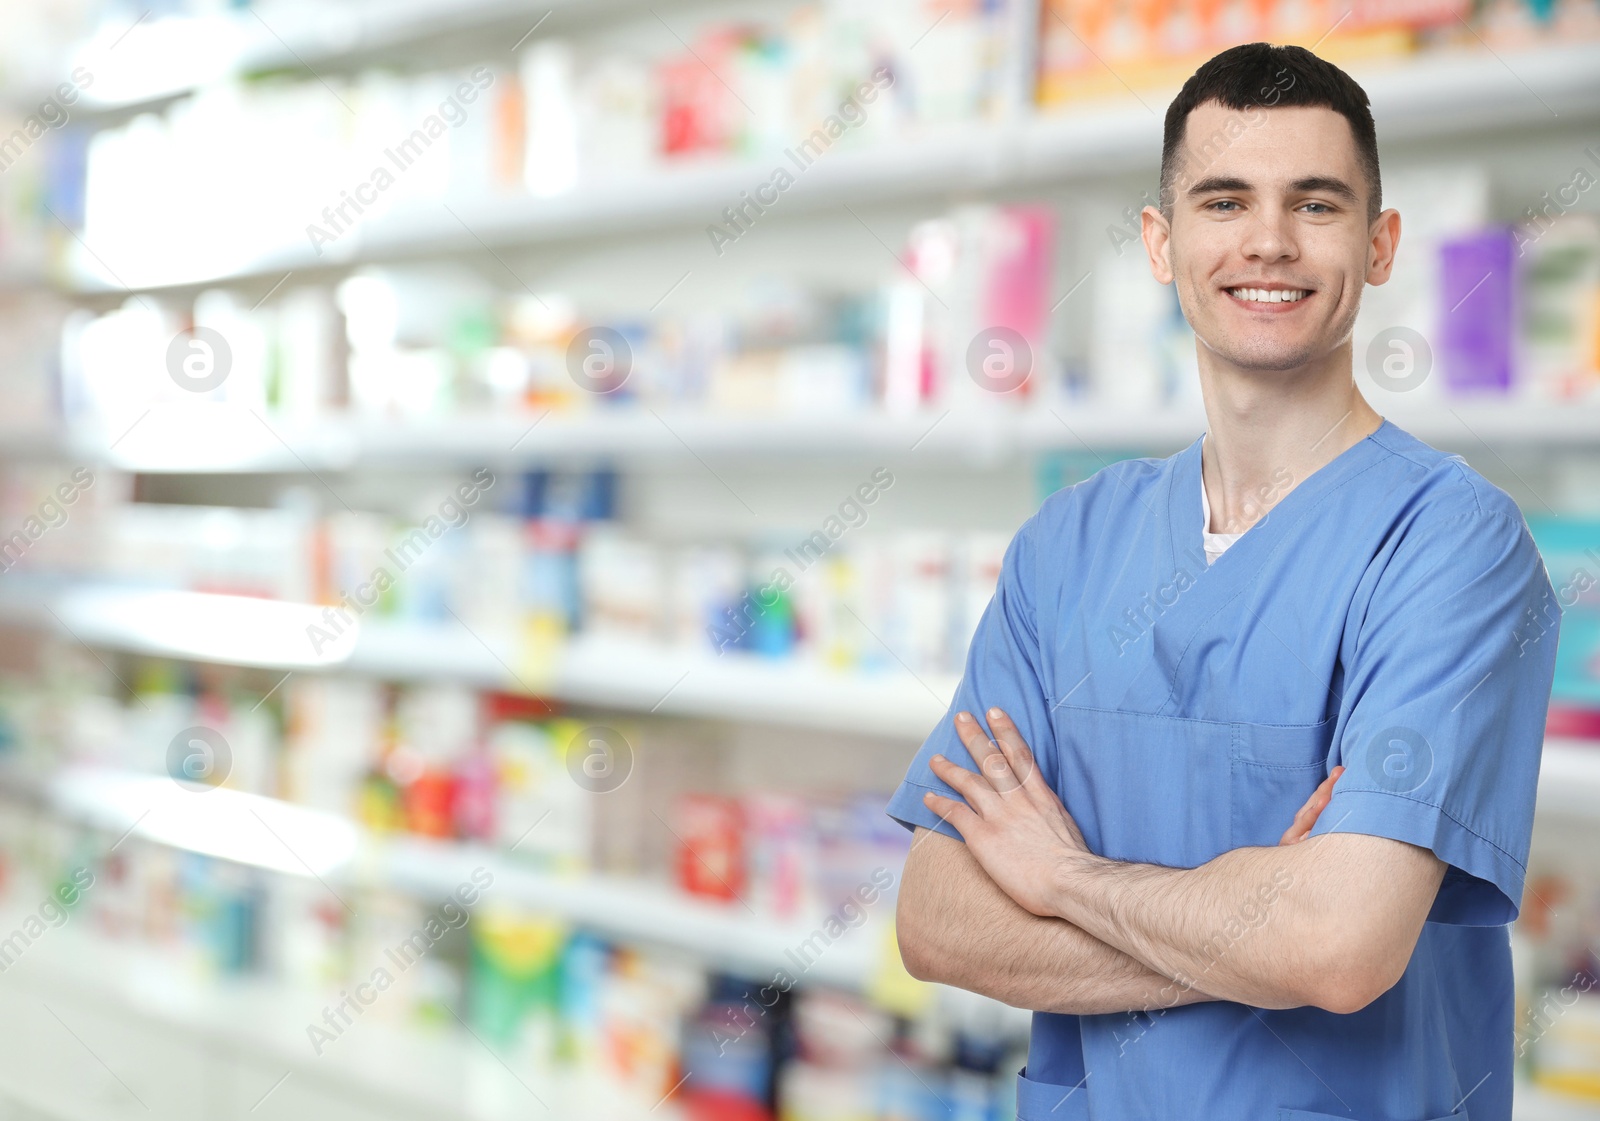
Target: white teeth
(1269, 295)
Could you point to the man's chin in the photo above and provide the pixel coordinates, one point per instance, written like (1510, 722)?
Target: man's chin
(1256, 360)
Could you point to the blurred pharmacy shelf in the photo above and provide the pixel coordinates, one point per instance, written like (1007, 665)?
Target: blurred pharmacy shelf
(1535, 1103)
(610, 673)
(1569, 779)
(290, 839)
(223, 439)
(638, 676)
(204, 1044)
(1424, 97)
(183, 1047)
(174, 55)
(158, 59)
(606, 672)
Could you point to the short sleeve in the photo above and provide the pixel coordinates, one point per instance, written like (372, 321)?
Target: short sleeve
(1002, 670)
(1444, 706)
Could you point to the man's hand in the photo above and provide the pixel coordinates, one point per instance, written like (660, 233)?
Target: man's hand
(1012, 821)
(1307, 814)
(1015, 825)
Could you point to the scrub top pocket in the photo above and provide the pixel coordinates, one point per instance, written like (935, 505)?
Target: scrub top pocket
(1274, 769)
(1045, 1101)
(1145, 788)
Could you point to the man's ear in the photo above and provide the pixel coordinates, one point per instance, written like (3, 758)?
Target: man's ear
(1384, 244)
(1157, 234)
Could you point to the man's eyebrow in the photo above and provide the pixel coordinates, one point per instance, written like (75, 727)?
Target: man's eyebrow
(1216, 183)
(1328, 184)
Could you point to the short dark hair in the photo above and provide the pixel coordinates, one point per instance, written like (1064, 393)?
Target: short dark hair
(1262, 76)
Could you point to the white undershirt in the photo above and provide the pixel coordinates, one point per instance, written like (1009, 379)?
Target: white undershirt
(1215, 543)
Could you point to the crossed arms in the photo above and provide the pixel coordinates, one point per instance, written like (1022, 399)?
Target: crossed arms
(1025, 913)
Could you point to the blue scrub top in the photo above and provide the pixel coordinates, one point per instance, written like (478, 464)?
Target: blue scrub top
(1390, 613)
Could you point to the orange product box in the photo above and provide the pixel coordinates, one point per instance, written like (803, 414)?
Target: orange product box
(710, 858)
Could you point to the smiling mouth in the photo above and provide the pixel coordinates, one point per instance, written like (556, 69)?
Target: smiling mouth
(1268, 295)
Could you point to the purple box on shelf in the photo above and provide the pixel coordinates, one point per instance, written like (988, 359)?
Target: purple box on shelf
(1477, 283)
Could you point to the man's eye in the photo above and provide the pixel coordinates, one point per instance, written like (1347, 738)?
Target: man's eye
(1326, 209)
(1221, 202)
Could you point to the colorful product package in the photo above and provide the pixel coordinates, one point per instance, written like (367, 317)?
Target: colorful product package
(711, 858)
(541, 812)
(515, 981)
(1570, 546)
(1559, 356)
(1477, 313)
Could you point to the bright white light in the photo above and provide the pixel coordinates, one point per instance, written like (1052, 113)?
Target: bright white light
(167, 56)
(232, 825)
(235, 630)
(194, 434)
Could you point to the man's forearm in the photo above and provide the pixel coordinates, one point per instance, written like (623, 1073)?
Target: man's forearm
(1262, 925)
(958, 928)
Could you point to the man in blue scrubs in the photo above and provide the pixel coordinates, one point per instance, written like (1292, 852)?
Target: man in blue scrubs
(1097, 821)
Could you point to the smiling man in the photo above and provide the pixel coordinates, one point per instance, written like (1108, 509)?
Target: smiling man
(1110, 858)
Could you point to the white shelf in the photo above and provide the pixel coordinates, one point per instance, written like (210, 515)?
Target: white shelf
(168, 56)
(614, 673)
(222, 439)
(611, 673)
(725, 935)
(649, 678)
(294, 840)
(1420, 98)
(391, 1068)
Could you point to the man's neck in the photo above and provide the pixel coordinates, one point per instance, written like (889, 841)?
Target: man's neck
(1264, 437)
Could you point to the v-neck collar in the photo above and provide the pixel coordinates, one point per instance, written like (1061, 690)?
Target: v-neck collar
(1205, 510)
(1186, 522)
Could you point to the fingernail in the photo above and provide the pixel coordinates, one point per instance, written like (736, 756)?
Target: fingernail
(938, 758)
(995, 714)
(964, 717)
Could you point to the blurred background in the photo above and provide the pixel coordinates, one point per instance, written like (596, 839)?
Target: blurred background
(493, 494)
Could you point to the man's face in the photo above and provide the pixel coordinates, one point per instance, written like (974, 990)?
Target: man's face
(1283, 207)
